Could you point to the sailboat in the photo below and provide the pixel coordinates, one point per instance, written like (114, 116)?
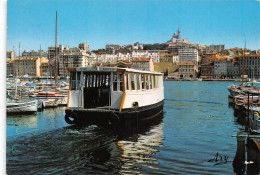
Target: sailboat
(18, 105)
(243, 88)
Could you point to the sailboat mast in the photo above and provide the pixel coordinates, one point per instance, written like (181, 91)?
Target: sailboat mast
(56, 54)
(40, 60)
(19, 73)
(243, 65)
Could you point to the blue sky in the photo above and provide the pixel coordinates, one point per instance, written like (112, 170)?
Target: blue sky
(101, 22)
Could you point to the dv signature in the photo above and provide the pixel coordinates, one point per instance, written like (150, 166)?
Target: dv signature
(219, 159)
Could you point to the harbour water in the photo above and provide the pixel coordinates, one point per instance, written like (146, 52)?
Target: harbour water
(193, 136)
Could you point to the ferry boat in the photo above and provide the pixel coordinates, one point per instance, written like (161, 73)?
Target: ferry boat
(110, 96)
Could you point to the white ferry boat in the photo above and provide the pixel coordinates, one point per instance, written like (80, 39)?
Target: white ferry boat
(110, 95)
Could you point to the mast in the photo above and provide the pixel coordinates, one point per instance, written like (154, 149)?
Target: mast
(56, 54)
(19, 72)
(243, 65)
(40, 60)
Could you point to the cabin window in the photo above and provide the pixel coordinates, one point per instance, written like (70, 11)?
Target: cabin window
(138, 81)
(118, 82)
(146, 82)
(132, 81)
(127, 81)
(75, 80)
(143, 81)
(115, 82)
(96, 80)
(121, 85)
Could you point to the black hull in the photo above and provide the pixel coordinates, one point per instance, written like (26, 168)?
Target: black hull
(112, 118)
(21, 113)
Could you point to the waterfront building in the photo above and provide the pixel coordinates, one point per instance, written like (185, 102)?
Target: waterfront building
(10, 55)
(188, 70)
(112, 48)
(143, 64)
(233, 69)
(72, 57)
(207, 70)
(251, 65)
(28, 66)
(220, 68)
(188, 55)
(219, 47)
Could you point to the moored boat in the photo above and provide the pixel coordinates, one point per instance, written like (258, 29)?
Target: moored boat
(107, 96)
(19, 107)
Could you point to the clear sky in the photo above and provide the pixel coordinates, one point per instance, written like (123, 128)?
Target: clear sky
(101, 22)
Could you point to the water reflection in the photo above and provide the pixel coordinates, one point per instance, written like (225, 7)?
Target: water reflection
(85, 150)
(139, 150)
(22, 120)
(247, 158)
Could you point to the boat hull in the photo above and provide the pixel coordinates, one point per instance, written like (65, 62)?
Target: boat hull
(105, 117)
(21, 108)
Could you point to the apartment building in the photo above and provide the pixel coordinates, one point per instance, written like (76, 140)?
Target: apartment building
(72, 57)
(28, 66)
(10, 55)
(34, 53)
(208, 58)
(219, 47)
(143, 64)
(188, 70)
(112, 48)
(9, 67)
(169, 58)
(220, 67)
(84, 46)
(251, 65)
(207, 70)
(153, 54)
(188, 56)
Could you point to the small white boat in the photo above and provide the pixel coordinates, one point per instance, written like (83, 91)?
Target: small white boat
(254, 120)
(49, 103)
(19, 107)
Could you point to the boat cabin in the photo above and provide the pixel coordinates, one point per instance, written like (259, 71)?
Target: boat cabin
(114, 88)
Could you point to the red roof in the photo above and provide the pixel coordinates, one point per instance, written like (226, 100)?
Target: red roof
(141, 59)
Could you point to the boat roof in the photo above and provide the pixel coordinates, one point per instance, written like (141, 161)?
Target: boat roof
(110, 69)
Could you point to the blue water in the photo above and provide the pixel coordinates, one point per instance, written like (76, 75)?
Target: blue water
(197, 124)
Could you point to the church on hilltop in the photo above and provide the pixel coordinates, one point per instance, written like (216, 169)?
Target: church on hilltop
(177, 38)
